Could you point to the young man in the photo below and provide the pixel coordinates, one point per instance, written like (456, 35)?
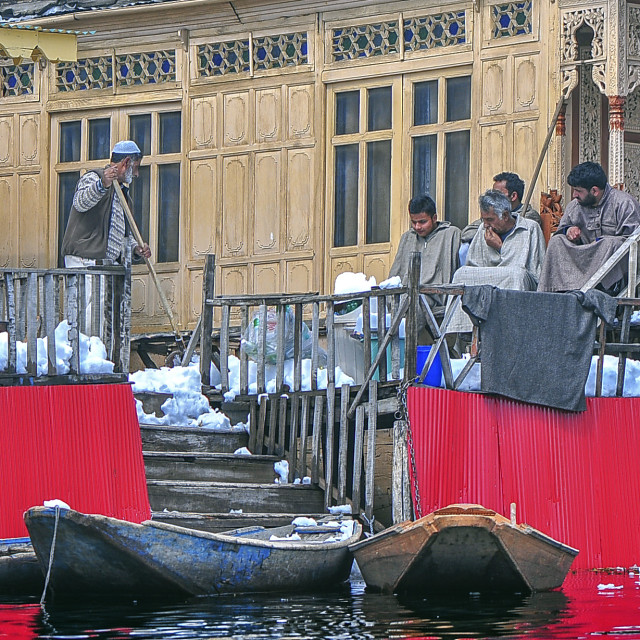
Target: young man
(594, 224)
(438, 243)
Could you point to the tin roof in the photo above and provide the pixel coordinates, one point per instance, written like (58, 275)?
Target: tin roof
(31, 9)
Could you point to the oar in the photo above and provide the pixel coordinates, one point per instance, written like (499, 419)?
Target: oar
(152, 271)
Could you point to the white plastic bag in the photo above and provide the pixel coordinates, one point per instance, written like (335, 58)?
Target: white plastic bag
(250, 343)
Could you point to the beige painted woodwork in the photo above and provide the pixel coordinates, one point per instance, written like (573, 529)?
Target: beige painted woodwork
(8, 222)
(257, 147)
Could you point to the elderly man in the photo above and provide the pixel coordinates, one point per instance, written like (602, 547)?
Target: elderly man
(438, 243)
(594, 224)
(512, 185)
(506, 251)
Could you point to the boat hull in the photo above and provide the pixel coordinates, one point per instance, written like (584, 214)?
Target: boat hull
(98, 555)
(462, 549)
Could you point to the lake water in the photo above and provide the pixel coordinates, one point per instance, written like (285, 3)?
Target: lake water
(590, 605)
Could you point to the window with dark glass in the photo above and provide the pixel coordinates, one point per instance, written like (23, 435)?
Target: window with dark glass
(357, 160)
(168, 209)
(140, 132)
(433, 131)
(70, 141)
(67, 182)
(170, 132)
(99, 139)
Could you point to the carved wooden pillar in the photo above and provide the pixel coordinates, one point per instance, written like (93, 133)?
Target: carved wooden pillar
(616, 141)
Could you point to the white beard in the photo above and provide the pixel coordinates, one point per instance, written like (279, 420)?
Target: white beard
(128, 176)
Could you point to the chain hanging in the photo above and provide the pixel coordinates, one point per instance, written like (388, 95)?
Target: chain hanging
(403, 414)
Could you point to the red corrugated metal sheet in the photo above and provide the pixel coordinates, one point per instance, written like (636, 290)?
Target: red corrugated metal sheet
(572, 476)
(80, 444)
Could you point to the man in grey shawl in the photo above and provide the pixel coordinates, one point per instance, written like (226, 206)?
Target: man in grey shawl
(594, 224)
(506, 251)
(436, 241)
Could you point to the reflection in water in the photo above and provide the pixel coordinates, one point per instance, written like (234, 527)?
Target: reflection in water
(580, 610)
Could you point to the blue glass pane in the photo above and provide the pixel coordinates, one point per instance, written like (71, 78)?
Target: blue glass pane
(99, 139)
(378, 191)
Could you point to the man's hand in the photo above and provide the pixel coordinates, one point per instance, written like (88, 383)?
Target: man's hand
(492, 239)
(110, 174)
(143, 251)
(573, 234)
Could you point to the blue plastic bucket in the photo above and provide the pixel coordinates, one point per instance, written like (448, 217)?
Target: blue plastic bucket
(434, 375)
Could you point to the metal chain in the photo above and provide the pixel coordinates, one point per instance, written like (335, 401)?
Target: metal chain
(403, 414)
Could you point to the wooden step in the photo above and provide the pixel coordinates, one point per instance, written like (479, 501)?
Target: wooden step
(192, 439)
(222, 497)
(217, 522)
(212, 467)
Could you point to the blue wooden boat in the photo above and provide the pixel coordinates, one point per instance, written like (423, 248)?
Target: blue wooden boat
(98, 555)
(20, 572)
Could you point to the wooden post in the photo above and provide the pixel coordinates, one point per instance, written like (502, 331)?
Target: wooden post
(328, 448)
(357, 458)
(318, 410)
(244, 359)
(72, 319)
(32, 323)
(208, 293)
(11, 324)
(125, 305)
(48, 304)
(224, 349)
(370, 465)
(343, 442)
(411, 326)
(399, 474)
(304, 432)
(262, 345)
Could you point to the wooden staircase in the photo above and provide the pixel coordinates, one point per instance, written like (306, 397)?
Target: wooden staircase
(194, 480)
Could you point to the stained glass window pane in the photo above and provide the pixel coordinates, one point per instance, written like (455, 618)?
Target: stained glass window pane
(168, 212)
(346, 196)
(378, 191)
(347, 112)
(67, 186)
(425, 102)
(99, 139)
(170, 132)
(457, 178)
(70, 138)
(140, 132)
(141, 197)
(458, 98)
(424, 165)
(379, 116)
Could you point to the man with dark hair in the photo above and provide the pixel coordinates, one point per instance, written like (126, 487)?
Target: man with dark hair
(512, 185)
(438, 243)
(595, 223)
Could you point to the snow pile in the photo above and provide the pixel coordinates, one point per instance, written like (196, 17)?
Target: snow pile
(92, 355)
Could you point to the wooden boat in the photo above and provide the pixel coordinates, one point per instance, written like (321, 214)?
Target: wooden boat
(462, 548)
(20, 572)
(98, 555)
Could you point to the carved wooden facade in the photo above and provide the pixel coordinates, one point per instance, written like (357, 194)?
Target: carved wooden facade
(286, 136)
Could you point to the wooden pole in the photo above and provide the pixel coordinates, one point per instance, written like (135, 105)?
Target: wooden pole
(152, 271)
(543, 152)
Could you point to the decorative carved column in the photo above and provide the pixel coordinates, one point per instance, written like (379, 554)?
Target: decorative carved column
(616, 141)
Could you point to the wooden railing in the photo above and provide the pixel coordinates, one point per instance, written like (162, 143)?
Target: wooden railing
(33, 302)
(325, 432)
